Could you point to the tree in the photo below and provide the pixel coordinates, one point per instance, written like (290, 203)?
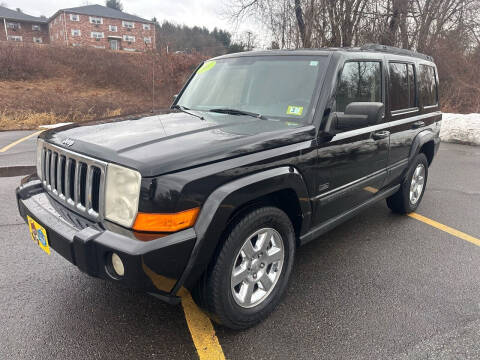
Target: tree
(114, 4)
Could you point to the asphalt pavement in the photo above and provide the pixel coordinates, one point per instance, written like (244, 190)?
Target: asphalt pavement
(380, 286)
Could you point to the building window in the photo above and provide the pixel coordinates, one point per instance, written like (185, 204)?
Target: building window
(146, 26)
(128, 24)
(76, 32)
(112, 28)
(96, 20)
(36, 27)
(14, 38)
(14, 26)
(74, 17)
(129, 38)
(147, 40)
(38, 40)
(97, 35)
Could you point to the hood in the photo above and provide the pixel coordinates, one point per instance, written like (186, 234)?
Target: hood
(159, 144)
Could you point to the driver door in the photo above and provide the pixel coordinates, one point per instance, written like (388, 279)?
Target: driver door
(352, 165)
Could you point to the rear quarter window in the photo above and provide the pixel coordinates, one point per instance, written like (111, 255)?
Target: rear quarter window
(428, 86)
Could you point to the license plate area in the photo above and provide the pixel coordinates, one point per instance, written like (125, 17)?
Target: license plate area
(38, 234)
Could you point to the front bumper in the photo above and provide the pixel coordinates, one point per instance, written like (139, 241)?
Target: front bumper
(153, 266)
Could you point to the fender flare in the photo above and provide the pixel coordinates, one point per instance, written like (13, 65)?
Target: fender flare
(421, 139)
(224, 201)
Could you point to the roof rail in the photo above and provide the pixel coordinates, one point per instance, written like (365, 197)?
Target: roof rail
(395, 50)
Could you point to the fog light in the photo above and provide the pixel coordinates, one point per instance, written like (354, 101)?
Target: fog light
(117, 265)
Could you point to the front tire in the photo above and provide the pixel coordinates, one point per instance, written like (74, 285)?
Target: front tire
(252, 269)
(410, 194)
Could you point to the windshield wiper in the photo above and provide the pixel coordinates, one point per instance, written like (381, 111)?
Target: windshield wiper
(237, 112)
(184, 109)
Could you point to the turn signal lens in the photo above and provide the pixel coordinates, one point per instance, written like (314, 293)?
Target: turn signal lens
(166, 222)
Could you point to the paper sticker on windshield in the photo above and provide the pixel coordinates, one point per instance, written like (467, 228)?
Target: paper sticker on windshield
(313, 63)
(295, 110)
(206, 66)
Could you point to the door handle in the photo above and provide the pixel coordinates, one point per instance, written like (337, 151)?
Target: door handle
(380, 135)
(418, 124)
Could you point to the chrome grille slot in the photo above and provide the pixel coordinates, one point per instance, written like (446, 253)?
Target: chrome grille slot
(75, 180)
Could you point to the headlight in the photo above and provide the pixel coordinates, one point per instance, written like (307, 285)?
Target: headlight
(40, 143)
(122, 191)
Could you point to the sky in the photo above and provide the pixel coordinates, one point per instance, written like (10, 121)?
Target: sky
(208, 13)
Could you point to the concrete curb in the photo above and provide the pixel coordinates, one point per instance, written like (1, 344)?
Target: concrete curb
(10, 171)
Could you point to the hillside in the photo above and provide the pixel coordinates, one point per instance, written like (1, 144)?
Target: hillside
(44, 85)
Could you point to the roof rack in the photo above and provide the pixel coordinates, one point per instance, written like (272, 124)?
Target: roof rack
(395, 50)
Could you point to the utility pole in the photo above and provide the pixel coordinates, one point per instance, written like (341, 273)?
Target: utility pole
(6, 31)
(153, 75)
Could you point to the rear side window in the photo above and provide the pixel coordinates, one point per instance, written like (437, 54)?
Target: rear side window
(428, 86)
(360, 81)
(402, 86)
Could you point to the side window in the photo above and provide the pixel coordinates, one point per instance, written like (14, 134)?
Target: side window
(402, 86)
(428, 86)
(360, 81)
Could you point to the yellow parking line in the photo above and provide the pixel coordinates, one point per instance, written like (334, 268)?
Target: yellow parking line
(201, 329)
(9, 146)
(446, 228)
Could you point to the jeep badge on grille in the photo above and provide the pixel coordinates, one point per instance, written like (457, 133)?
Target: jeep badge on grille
(68, 142)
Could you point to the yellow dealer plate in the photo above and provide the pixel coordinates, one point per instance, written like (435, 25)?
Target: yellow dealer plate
(39, 234)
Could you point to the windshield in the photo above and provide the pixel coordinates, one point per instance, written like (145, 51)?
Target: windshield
(273, 86)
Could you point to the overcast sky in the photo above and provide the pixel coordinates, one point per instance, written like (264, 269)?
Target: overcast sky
(208, 13)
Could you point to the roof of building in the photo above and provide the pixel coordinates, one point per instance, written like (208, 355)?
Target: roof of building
(6, 13)
(103, 11)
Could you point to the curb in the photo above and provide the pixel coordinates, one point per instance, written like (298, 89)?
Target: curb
(10, 171)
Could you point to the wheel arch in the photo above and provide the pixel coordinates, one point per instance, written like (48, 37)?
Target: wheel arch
(275, 187)
(424, 142)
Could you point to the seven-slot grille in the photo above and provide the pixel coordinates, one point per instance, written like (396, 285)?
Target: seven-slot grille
(76, 180)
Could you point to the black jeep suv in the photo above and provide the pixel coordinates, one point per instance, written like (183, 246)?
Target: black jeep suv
(261, 152)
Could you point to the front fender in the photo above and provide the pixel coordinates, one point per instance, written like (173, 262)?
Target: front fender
(223, 202)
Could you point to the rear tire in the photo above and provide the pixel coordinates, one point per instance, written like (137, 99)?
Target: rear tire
(410, 194)
(251, 270)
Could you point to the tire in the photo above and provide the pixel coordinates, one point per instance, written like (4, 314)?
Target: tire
(402, 202)
(229, 304)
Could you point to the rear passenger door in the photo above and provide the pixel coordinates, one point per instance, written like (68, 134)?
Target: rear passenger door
(412, 95)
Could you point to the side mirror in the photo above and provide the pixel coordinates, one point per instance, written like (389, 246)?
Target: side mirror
(358, 115)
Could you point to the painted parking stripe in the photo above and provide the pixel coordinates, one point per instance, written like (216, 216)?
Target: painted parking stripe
(9, 146)
(201, 329)
(445, 228)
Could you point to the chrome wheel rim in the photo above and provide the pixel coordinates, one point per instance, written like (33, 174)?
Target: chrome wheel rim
(417, 184)
(257, 267)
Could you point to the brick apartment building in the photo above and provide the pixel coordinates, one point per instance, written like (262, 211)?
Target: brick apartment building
(91, 25)
(20, 27)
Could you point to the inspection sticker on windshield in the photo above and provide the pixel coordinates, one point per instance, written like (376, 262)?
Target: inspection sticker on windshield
(313, 63)
(206, 66)
(295, 110)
